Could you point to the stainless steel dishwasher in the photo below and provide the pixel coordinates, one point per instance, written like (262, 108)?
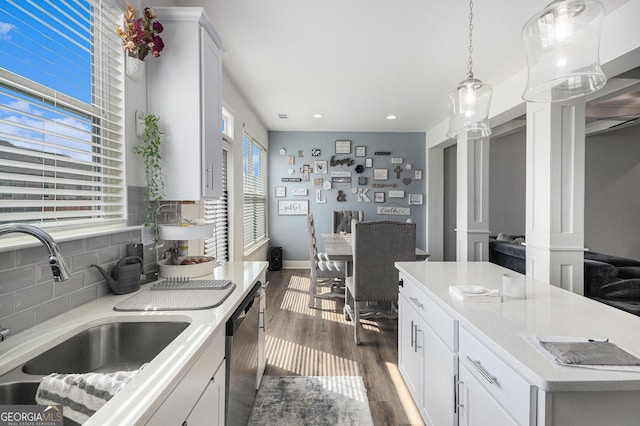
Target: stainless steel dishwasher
(242, 359)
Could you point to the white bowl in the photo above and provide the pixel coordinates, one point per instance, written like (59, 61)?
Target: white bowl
(190, 271)
(179, 231)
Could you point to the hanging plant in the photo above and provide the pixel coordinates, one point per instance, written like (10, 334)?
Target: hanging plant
(150, 151)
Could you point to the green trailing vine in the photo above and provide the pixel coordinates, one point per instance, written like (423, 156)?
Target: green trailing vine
(150, 151)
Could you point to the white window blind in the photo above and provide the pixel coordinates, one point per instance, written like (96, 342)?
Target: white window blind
(61, 103)
(255, 192)
(217, 212)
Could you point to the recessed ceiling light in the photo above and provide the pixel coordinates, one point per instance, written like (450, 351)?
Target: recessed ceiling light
(391, 117)
(317, 115)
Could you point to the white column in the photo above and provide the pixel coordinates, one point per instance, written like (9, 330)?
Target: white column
(555, 193)
(472, 224)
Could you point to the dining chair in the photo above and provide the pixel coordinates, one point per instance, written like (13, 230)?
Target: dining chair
(342, 219)
(374, 280)
(324, 272)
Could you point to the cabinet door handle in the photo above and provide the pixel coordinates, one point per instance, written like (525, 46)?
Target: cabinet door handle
(401, 283)
(263, 322)
(417, 302)
(415, 348)
(487, 376)
(456, 401)
(411, 333)
(209, 177)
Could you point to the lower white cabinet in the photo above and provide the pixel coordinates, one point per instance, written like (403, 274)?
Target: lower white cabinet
(209, 410)
(199, 397)
(441, 368)
(426, 361)
(476, 406)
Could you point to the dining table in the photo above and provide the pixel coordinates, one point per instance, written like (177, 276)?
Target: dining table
(339, 247)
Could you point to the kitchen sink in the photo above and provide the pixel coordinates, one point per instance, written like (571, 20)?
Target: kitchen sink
(24, 393)
(18, 393)
(117, 346)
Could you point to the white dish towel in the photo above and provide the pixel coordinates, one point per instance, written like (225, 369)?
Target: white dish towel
(81, 395)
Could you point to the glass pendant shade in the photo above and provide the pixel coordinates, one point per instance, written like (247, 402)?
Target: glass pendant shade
(562, 45)
(469, 109)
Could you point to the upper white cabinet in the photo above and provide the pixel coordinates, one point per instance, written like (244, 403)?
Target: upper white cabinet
(184, 91)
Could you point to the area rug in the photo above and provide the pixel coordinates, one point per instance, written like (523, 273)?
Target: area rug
(311, 400)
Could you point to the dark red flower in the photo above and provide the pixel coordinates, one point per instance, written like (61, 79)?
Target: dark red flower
(158, 43)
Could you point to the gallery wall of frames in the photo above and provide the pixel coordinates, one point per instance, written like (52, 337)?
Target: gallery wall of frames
(382, 174)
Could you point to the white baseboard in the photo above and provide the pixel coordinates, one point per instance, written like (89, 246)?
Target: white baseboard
(296, 264)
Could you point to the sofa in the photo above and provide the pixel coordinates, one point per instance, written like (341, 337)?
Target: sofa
(608, 279)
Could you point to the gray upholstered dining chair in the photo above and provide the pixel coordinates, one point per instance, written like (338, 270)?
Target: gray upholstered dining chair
(376, 246)
(342, 219)
(324, 272)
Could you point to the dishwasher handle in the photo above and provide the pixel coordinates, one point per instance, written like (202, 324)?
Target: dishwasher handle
(241, 312)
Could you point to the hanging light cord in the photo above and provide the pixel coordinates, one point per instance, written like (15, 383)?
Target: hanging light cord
(470, 63)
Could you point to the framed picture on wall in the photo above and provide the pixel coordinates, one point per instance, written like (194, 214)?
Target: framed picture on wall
(281, 191)
(415, 199)
(368, 162)
(417, 174)
(293, 207)
(361, 151)
(378, 197)
(343, 147)
(380, 174)
(320, 166)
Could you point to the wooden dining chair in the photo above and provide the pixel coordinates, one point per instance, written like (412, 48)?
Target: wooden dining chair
(324, 272)
(341, 221)
(374, 281)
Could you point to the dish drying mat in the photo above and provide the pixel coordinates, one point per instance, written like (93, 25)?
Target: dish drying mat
(175, 300)
(189, 284)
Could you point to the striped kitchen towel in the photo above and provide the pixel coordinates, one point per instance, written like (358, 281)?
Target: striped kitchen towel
(81, 395)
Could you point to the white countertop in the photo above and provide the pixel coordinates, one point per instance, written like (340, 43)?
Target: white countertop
(140, 398)
(547, 310)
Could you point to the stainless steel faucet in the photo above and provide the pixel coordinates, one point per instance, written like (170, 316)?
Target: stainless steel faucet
(56, 261)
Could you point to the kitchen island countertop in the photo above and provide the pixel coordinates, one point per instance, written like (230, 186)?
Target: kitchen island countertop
(506, 328)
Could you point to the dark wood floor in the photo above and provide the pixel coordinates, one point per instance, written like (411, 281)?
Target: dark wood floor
(319, 342)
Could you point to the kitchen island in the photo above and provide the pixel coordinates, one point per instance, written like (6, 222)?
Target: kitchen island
(185, 364)
(472, 362)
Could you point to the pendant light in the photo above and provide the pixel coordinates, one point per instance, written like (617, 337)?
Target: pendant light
(469, 101)
(562, 45)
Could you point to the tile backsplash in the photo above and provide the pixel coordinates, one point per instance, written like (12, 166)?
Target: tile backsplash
(28, 294)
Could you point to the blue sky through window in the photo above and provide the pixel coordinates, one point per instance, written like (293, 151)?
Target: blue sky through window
(41, 54)
(48, 43)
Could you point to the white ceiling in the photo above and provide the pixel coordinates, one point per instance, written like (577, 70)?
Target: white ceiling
(357, 61)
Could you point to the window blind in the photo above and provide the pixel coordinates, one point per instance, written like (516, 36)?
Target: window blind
(254, 192)
(61, 105)
(217, 212)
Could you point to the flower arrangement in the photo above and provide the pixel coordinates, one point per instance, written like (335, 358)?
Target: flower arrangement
(140, 35)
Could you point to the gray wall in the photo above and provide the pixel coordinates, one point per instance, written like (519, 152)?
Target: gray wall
(612, 193)
(507, 184)
(289, 232)
(450, 201)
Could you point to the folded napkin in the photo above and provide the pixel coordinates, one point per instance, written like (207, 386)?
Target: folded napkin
(589, 353)
(474, 293)
(81, 395)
